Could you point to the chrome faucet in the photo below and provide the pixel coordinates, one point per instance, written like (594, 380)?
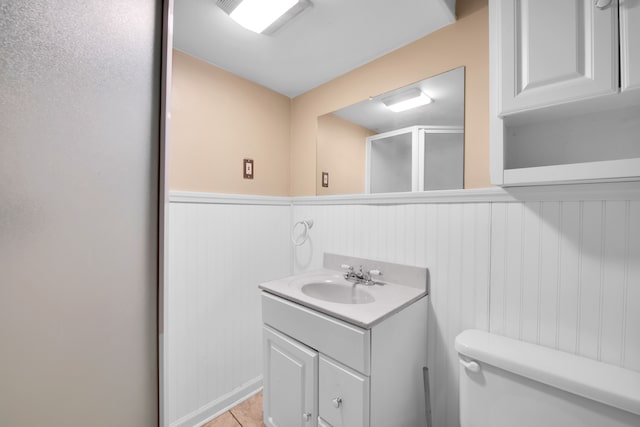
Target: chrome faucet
(360, 277)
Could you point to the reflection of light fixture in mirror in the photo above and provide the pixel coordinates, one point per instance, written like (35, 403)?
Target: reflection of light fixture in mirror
(263, 16)
(406, 100)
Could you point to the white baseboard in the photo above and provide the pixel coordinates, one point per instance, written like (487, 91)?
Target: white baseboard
(217, 407)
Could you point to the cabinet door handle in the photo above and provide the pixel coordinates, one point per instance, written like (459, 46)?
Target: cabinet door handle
(337, 402)
(306, 416)
(601, 4)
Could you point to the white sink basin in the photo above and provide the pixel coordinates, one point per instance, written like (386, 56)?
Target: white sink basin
(338, 293)
(328, 292)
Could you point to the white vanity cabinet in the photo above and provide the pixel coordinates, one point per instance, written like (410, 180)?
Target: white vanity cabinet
(322, 371)
(565, 104)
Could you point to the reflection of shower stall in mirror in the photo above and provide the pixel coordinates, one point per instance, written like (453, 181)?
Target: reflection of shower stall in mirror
(416, 158)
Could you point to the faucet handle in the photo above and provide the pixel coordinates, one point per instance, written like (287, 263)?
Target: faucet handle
(375, 273)
(346, 267)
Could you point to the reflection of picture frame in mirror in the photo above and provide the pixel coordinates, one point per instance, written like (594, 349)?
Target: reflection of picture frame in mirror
(437, 154)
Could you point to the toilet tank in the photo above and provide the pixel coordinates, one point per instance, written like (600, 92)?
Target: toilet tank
(506, 383)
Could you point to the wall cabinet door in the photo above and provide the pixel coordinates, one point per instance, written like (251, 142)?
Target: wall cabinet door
(553, 52)
(630, 44)
(343, 395)
(290, 381)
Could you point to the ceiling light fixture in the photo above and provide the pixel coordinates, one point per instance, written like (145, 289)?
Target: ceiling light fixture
(406, 100)
(263, 16)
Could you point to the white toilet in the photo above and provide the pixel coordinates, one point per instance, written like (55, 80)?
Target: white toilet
(510, 383)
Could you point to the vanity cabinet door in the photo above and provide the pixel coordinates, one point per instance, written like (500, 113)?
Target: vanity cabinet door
(290, 381)
(343, 395)
(553, 52)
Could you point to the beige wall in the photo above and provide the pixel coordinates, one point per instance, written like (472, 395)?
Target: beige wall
(341, 152)
(464, 43)
(218, 119)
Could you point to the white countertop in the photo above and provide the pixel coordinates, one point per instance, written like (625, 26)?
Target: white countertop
(389, 297)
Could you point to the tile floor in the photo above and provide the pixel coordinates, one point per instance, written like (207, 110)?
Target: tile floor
(246, 414)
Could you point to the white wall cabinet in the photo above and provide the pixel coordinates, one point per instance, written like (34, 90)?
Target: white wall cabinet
(358, 377)
(556, 52)
(564, 100)
(630, 44)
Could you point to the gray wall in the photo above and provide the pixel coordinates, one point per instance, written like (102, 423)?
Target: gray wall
(79, 147)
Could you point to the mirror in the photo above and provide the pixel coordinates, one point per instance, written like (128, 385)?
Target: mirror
(368, 148)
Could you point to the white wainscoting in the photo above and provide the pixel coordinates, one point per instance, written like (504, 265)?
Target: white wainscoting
(218, 253)
(567, 275)
(564, 274)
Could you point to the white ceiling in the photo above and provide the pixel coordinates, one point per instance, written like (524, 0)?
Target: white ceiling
(447, 108)
(324, 42)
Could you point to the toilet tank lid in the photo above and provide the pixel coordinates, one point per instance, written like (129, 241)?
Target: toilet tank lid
(602, 382)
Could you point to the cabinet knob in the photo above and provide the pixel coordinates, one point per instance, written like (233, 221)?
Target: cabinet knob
(337, 402)
(601, 4)
(306, 416)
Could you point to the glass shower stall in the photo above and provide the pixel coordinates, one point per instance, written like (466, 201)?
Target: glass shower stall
(416, 158)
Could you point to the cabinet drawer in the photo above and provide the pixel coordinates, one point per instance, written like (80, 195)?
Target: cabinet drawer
(343, 395)
(340, 340)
